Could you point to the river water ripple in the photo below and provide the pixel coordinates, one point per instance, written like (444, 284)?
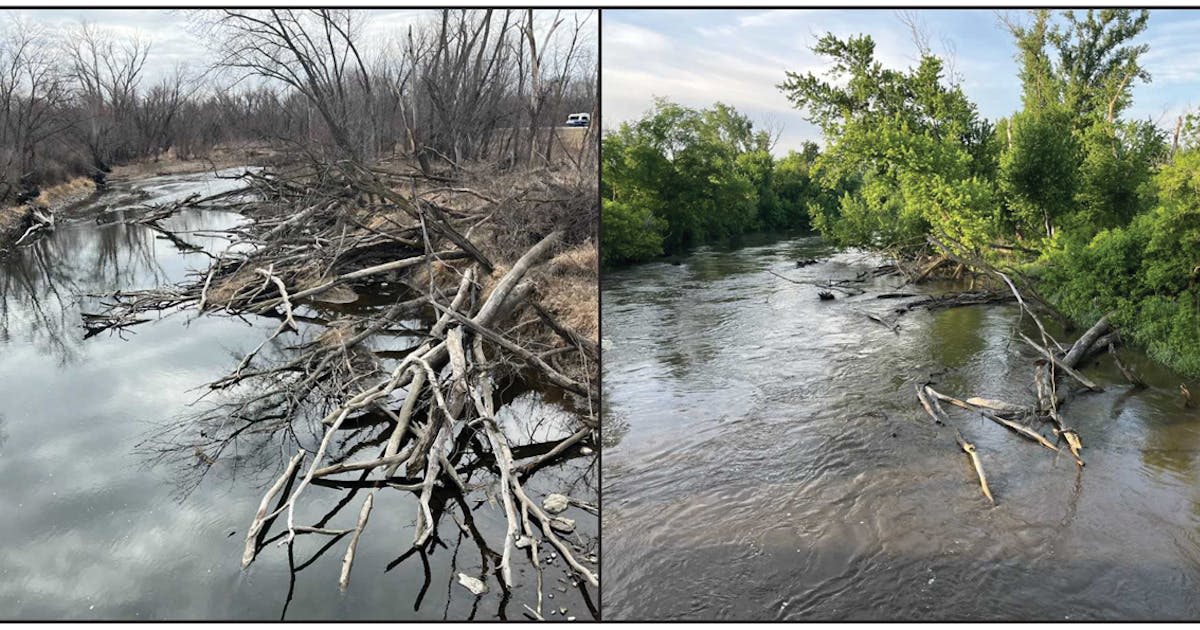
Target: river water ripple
(767, 458)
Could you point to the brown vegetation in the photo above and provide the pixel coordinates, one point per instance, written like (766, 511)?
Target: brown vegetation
(438, 173)
(498, 267)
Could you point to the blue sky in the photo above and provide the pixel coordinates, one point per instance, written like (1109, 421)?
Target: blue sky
(697, 57)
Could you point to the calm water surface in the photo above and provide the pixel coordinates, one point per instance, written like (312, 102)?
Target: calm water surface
(97, 527)
(767, 458)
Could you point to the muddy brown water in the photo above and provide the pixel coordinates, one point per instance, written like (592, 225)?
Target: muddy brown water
(96, 527)
(767, 458)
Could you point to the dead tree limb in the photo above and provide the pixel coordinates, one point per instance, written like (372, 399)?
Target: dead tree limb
(969, 449)
(1083, 380)
(1019, 429)
(348, 560)
(261, 515)
(1080, 348)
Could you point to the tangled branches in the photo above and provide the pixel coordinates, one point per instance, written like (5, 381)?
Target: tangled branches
(448, 326)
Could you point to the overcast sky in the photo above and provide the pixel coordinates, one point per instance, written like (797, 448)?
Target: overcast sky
(173, 38)
(737, 57)
(172, 41)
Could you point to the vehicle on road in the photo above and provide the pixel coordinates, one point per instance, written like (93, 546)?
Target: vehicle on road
(579, 120)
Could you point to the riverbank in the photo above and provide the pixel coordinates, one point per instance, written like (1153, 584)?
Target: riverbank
(55, 200)
(16, 220)
(221, 157)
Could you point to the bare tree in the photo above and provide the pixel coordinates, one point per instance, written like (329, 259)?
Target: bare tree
(158, 112)
(312, 51)
(32, 95)
(106, 74)
(464, 86)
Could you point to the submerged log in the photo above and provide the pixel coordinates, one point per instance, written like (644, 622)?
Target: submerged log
(936, 412)
(953, 300)
(1080, 348)
(969, 449)
(1083, 380)
(259, 517)
(1125, 371)
(1019, 429)
(348, 560)
(824, 286)
(996, 405)
(1048, 405)
(930, 268)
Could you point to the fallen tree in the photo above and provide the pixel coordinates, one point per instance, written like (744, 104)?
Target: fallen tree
(1056, 363)
(467, 317)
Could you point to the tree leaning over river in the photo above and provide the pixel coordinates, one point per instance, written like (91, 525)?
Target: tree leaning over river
(1095, 211)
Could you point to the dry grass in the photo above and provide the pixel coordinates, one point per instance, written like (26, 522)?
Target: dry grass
(337, 333)
(570, 289)
(15, 219)
(224, 156)
(67, 193)
(524, 206)
(386, 220)
(222, 291)
(12, 219)
(568, 142)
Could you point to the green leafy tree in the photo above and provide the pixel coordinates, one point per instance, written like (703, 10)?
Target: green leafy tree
(1039, 169)
(1097, 61)
(1115, 173)
(1148, 271)
(794, 188)
(907, 150)
(631, 232)
(1068, 159)
(680, 177)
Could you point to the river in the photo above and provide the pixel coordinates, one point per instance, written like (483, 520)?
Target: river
(766, 458)
(103, 522)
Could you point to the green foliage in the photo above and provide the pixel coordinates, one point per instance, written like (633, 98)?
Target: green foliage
(793, 189)
(1039, 169)
(631, 232)
(1114, 175)
(907, 151)
(680, 177)
(1096, 64)
(1039, 85)
(1148, 271)
(1118, 237)
(1117, 216)
(1069, 162)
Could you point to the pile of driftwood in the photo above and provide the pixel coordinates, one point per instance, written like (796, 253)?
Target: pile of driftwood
(316, 236)
(1054, 374)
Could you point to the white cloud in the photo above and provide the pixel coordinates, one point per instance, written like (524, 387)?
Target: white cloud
(771, 18)
(622, 36)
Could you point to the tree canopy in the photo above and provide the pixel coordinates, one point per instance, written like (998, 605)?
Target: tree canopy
(679, 177)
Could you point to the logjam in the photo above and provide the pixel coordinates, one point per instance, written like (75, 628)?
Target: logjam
(1056, 362)
(319, 228)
